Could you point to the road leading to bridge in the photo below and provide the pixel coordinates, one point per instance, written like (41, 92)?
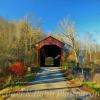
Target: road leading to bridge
(49, 85)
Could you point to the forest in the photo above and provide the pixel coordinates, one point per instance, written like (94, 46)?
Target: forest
(17, 40)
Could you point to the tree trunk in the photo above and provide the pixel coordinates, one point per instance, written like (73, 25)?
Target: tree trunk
(76, 58)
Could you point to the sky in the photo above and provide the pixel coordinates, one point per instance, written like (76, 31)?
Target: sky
(84, 13)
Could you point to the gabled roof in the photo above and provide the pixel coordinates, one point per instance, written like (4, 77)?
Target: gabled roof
(50, 40)
(50, 37)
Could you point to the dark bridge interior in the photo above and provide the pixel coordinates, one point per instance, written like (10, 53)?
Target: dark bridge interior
(50, 51)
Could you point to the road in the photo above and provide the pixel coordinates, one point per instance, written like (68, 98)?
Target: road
(49, 85)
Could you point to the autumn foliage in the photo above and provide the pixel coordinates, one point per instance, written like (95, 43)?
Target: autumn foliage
(18, 68)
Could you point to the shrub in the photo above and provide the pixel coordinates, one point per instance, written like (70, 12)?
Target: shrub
(67, 65)
(1, 98)
(1, 72)
(30, 77)
(18, 68)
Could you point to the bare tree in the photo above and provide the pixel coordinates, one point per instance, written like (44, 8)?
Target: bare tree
(89, 45)
(67, 33)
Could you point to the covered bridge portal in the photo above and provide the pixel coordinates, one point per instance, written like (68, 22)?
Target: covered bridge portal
(50, 48)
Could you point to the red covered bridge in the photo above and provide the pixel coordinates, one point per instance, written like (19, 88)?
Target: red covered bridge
(50, 47)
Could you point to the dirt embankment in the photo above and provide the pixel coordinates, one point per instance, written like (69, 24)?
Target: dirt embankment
(96, 78)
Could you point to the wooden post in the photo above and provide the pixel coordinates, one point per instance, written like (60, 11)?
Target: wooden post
(62, 58)
(38, 60)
